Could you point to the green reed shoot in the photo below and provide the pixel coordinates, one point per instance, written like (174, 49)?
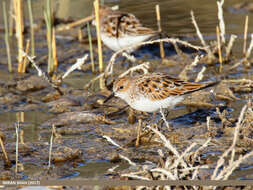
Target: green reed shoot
(7, 37)
(91, 49)
(48, 19)
(29, 4)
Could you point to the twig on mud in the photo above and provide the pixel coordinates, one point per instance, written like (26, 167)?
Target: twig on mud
(109, 68)
(127, 159)
(135, 176)
(77, 65)
(6, 157)
(230, 45)
(221, 160)
(167, 144)
(221, 21)
(200, 74)
(144, 67)
(164, 119)
(183, 74)
(250, 48)
(202, 147)
(189, 148)
(112, 141)
(165, 172)
(129, 57)
(42, 74)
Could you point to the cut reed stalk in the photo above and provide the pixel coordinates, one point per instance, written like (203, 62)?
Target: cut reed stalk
(50, 147)
(29, 4)
(54, 52)
(22, 139)
(248, 52)
(7, 37)
(6, 158)
(137, 142)
(100, 53)
(80, 34)
(245, 34)
(11, 18)
(221, 21)
(17, 137)
(48, 19)
(158, 18)
(75, 23)
(19, 31)
(219, 47)
(91, 49)
(25, 60)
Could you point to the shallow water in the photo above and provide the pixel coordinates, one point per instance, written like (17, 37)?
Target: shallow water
(176, 21)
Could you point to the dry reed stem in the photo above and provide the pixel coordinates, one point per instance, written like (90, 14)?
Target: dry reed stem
(109, 139)
(250, 47)
(6, 157)
(134, 176)
(29, 3)
(25, 60)
(80, 34)
(19, 31)
(221, 21)
(230, 45)
(43, 74)
(158, 18)
(183, 74)
(219, 47)
(169, 175)
(17, 137)
(91, 49)
(54, 51)
(144, 67)
(7, 36)
(100, 53)
(11, 18)
(200, 74)
(180, 53)
(22, 139)
(246, 25)
(198, 31)
(109, 69)
(75, 23)
(181, 157)
(221, 160)
(167, 144)
(129, 57)
(50, 147)
(127, 159)
(79, 62)
(137, 142)
(209, 52)
(203, 145)
(164, 119)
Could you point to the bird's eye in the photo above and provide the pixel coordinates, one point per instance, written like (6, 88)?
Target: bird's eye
(121, 87)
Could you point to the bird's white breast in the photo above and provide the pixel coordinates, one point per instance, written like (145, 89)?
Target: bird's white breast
(147, 105)
(119, 43)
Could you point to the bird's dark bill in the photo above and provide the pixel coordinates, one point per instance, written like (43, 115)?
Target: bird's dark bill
(109, 97)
